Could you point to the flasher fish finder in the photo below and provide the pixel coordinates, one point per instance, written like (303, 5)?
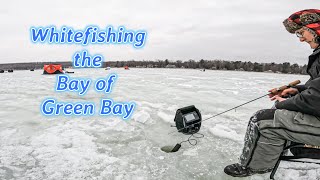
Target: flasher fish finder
(188, 120)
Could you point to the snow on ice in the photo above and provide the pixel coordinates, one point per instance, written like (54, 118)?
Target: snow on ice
(33, 146)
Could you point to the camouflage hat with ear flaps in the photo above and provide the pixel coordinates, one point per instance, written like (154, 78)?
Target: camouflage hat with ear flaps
(309, 18)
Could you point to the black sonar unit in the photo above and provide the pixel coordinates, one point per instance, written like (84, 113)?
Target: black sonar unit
(188, 120)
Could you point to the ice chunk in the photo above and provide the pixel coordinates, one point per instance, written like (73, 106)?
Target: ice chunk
(141, 116)
(225, 132)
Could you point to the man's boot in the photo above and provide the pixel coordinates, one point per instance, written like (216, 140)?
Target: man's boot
(237, 170)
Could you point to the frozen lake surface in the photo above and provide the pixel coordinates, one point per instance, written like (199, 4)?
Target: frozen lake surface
(33, 146)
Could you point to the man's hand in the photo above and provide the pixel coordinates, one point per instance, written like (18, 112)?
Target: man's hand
(277, 92)
(290, 91)
(284, 93)
(277, 97)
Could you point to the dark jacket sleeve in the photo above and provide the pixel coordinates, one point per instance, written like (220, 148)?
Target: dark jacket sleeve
(308, 101)
(300, 87)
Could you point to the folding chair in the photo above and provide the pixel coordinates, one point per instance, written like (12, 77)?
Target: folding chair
(300, 156)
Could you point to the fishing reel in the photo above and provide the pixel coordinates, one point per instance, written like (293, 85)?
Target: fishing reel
(188, 120)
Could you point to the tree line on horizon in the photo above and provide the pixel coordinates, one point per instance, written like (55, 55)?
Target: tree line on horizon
(285, 67)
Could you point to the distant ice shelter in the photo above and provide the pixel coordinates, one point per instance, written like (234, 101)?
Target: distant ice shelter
(52, 69)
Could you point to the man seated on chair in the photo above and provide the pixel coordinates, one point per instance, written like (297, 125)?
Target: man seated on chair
(296, 119)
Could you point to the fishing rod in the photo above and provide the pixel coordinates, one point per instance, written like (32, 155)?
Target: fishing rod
(188, 119)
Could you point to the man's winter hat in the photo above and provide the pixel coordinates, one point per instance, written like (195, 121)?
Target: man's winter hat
(309, 18)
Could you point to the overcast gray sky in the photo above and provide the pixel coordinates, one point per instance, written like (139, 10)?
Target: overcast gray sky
(177, 29)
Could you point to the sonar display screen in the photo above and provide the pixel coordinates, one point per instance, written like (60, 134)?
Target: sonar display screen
(189, 117)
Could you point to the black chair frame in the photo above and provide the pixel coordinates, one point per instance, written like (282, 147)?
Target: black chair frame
(293, 158)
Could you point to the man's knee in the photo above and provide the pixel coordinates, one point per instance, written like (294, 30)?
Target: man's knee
(263, 114)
